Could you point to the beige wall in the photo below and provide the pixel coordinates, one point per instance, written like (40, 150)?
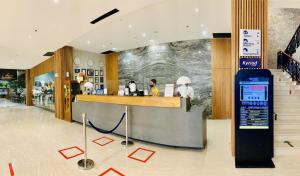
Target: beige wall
(85, 56)
(282, 26)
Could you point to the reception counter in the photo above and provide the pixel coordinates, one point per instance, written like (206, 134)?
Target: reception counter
(160, 120)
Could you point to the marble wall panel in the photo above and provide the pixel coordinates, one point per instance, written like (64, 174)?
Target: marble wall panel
(166, 63)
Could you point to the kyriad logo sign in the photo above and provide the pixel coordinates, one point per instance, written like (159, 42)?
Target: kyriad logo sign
(250, 63)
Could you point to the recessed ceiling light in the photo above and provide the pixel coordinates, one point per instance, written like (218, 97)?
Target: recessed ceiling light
(144, 34)
(56, 1)
(129, 26)
(204, 33)
(29, 36)
(88, 42)
(197, 10)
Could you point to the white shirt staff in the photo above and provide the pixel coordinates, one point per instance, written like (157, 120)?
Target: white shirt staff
(185, 90)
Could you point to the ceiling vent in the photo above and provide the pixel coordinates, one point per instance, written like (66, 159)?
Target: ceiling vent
(104, 16)
(108, 52)
(49, 54)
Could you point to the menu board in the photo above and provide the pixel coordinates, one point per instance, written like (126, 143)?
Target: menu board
(254, 113)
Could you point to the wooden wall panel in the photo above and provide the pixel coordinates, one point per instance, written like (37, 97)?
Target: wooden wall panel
(221, 93)
(221, 78)
(29, 85)
(221, 53)
(112, 75)
(60, 63)
(42, 68)
(247, 14)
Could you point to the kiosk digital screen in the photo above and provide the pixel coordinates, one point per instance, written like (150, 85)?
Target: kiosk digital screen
(254, 103)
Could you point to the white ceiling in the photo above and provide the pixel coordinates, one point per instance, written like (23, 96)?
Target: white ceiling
(67, 23)
(57, 24)
(284, 3)
(168, 18)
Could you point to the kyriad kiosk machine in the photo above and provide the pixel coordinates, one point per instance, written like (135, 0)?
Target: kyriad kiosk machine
(254, 119)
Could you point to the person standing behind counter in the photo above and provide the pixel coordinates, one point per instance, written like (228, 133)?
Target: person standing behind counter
(185, 90)
(153, 88)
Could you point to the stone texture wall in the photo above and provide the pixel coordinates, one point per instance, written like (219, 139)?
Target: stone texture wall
(166, 63)
(283, 23)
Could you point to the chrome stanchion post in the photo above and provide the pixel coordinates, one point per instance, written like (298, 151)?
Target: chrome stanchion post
(126, 142)
(85, 163)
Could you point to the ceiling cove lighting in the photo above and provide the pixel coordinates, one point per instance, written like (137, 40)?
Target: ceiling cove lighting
(102, 17)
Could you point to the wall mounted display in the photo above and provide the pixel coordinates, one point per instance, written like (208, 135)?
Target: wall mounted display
(83, 71)
(8, 74)
(91, 79)
(96, 72)
(101, 79)
(77, 70)
(97, 80)
(90, 72)
(101, 73)
(43, 91)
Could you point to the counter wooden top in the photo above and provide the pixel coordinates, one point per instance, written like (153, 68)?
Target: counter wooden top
(165, 102)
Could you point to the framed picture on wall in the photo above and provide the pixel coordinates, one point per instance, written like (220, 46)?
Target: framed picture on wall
(77, 70)
(90, 72)
(91, 79)
(101, 79)
(96, 72)
(101, 73)
(96, 79)
(83, 71)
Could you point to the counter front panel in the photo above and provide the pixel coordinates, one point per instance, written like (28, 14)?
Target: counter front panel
(172, 126)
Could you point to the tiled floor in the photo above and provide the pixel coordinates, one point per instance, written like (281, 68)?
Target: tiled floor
(30, 139)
